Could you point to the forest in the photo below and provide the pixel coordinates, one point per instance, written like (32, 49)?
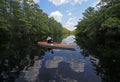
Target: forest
(23, 17)
(104, 21)
(98, 34)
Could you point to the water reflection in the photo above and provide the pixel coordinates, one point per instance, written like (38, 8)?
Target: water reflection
(75, 66)
(105, 56)
(59, 66)
(29, 62)
(17, 54)
(31, 74)
(67, 66)
(54, 62)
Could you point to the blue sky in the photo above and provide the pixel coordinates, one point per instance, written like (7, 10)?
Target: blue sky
(67, 12)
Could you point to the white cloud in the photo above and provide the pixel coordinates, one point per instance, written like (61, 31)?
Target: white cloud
(79, 1)
(71, 23)
(36, 1)
(60, 2)
(69, 13)
(57, 16)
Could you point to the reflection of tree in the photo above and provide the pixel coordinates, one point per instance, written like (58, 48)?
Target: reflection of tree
(74, 65)
(60, 68)
(18, 54)
(107, 50)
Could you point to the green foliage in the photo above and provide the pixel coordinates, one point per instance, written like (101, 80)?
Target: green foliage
(112, 26)
(25, 17)
(65, 30)
(107, 51)
(105, 20)
(111, 23)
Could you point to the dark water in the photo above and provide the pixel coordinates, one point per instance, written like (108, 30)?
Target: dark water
(22, 60)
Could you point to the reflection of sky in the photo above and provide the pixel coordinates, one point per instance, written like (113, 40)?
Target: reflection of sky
(75, 66)
(67, 66)
(54, 63)
(69, 40)
(31, 74)
(62, 66)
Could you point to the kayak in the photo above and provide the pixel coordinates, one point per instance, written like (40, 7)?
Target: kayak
(57, 45)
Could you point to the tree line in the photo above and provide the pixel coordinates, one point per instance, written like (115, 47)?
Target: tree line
(22, 17)
(103, 21)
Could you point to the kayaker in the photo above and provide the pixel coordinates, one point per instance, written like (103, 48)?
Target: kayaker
(49, 39)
